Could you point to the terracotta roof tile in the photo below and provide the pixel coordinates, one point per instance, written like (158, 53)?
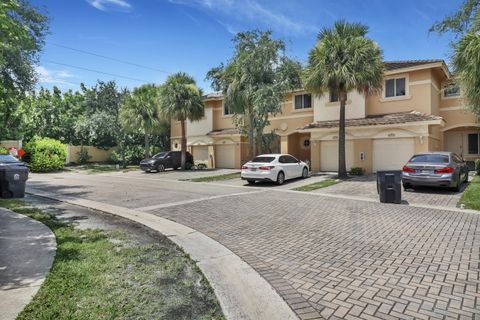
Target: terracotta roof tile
(393, 65)
(375, 120)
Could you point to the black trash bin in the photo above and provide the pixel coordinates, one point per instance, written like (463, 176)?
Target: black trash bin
(389, 186)
(12, 181)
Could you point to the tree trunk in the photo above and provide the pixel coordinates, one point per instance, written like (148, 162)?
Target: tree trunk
(183, 145)
(251, 141)
(122, 152)
(147, 145)
(342, 167)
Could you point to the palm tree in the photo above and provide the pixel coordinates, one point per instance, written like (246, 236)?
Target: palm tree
(181, 99)
(141, 110)
(344, 59)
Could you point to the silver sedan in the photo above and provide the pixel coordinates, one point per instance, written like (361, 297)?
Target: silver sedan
(437, 169)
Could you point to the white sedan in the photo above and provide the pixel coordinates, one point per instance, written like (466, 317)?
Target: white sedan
(273, 167)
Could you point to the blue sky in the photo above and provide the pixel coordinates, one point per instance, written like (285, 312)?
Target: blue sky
(195, 35)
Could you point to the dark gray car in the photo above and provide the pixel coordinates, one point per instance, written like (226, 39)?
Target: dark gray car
(436, 169)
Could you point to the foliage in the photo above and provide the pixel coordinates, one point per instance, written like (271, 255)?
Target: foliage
(343, 60)
(4, 150)
(317, 185)
(465, 24)
(46, 154)
(133, 155)
(83, 156)
(181, 99)
(255, 82)
(141, 110)
(477, 166)
(108, 274)
(356, 171)
(22, 33)
(471, 195)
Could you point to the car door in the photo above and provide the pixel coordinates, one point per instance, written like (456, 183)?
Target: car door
(296, 167)
(286, 167)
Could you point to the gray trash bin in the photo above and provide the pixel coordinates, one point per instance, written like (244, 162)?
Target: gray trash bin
(389, 186)
(12, 181)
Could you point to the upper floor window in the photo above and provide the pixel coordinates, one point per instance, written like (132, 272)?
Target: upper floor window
(451, 91)
(303, 101)
(395, 87)
(227, 110)
(473, 143)
(333, 96)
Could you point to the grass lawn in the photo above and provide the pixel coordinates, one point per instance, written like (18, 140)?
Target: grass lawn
(99, 168)
(471, 196)
(317, 185)
(101, 274)
(227, 176)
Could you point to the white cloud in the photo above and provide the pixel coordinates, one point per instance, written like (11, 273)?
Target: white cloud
(104, 5)
(248, 11)
(54, 77)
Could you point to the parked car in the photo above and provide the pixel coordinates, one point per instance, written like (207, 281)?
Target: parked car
(439, 169)
(9, 160)
(165, 160)
(273, 167)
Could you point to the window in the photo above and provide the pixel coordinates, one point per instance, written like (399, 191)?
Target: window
(306, 143)
(263, 159)
(333, 96)
(451, 91)
(303, 101)
(227, 110)
(473, 143)
(431, 158)
(395, 87)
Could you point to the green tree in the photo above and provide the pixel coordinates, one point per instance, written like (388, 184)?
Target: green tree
(344, 59)
(22, 33)
(141, 110)
(465, 24)
(181, 99)
(255, 82)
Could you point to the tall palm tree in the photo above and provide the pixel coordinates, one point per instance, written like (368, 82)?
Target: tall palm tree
(344, 59)
(181, 99)
(141, 110)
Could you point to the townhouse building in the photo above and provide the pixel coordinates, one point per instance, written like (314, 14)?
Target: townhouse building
(417, 110)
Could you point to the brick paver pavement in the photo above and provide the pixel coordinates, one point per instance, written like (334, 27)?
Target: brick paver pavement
(350, 259)
(367, 187)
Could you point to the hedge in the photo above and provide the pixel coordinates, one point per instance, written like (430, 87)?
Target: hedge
(45, 154)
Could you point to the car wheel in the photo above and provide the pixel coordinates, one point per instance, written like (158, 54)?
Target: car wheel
(466, 177)
(188, 166)
(280, 178)
(405, 187)
(251, 181)
(305, 173)
(459, 184)
(160, 168)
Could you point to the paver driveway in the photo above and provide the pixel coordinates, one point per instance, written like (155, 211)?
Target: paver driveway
(327, 257)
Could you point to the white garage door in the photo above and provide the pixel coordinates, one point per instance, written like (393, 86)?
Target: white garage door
(200, 153)
(225, 156)
(392, 154)
(329, 155)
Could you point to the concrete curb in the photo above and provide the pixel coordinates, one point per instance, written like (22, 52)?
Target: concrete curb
(241, 291)
(27, 252)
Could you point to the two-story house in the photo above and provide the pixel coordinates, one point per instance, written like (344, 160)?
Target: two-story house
(417, 110)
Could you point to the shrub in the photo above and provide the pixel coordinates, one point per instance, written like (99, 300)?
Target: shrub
(3, 150)
(133, 155)
(83, 155)
(356, 171)
(477, 166)
(45, 154)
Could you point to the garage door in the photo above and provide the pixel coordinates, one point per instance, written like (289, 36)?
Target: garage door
(225, 156)
(392, 154)
(329, 155)
(200, 153)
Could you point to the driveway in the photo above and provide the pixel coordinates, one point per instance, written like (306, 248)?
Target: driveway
(328, 258)
(366, 187)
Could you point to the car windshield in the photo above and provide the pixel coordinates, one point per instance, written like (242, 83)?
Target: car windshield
(263, 159)
(6, 158)
(159, 155)
(431, 158)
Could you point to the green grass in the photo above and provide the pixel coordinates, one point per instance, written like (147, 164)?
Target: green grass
(221, 177)
(102, 275)
(317, 185)
(100, 168)
(471, 196)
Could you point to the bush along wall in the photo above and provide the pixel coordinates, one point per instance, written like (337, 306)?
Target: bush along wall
(45, 154)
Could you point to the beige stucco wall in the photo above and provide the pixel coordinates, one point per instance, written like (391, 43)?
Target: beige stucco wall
(326, 110)
(96, 155)
(365, 146)
(202, 126)
(11, 144)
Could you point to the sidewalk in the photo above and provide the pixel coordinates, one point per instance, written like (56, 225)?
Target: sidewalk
(27, 251)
